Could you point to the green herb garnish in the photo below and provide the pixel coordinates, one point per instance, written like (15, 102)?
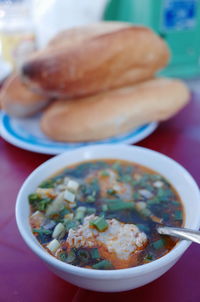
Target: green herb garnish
(100, 224)
(33, 198)
(136, 196)
(104, 264)
(104, 208)
(95, 253)
(158, 244)
(49, 183)
(83, 255)
(117, 167)
(178, 215)
(126, 178)
(42, 231)
(71, 257)
(39, 203)
(90, 210)
(117, 205)
(70, 224)
(43, 203)
(104, 173)
(80, 213)
(63, 257)
(90, 198)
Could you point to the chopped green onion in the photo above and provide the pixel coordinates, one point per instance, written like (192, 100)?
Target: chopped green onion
(90, 198)
(145, 212)
(158, 244)
(49, 183)
(104, 264)
(39, 203)
(178, 215)
(71, 257)
(136, 196)
(174, 202)
(70, 224)
(118, 205)
(90, 190)
(63, 256)
(164, 194)
(104, 173)
(90, 210)
(134, 182)
(126, 178)
(100, 224)
(80, 213)
(95, 253)
(108, 200)
(155, 177)
(42, 204)
(117, 167)
(104, 208)
(42, 231)
(83, 255)
(33, 198)
(153, 201)
(149, 187)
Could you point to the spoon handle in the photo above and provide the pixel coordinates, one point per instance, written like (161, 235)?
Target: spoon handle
(181, 233)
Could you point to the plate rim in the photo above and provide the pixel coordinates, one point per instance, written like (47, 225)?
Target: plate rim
(4, 132)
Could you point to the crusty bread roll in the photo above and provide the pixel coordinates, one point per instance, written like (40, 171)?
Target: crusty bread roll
(68, 37)
(117, 55)
(17, 100)
(114, 112)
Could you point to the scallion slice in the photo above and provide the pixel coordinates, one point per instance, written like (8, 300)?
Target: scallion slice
(83, 255)
(104, 264)
(178, 215)
(95, 253)
(118, 205)
(99, 223)
(71, 257)
(158, 244)
(42, 231)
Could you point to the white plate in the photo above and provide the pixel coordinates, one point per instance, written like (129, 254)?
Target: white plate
(26, 134)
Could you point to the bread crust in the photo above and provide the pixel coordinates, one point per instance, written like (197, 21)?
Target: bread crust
(75, 35)
(109, 59)
(114, 112)
(18, 100)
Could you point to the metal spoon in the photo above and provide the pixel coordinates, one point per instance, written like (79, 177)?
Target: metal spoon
(181, 233)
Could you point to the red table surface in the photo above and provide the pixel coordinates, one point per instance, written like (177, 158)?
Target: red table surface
(24, 277)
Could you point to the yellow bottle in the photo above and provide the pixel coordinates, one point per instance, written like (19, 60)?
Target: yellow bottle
(17, 34)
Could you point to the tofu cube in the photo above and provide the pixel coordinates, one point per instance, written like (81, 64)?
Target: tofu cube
(69, 196)
(72, 186)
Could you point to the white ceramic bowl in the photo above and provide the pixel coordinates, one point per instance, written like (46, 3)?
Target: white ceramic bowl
(112, 280)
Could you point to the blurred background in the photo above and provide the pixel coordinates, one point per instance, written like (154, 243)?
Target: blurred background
(26, 25)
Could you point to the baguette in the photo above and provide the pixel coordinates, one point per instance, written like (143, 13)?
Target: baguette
(75, 35)
(114, 112)
(117, 55)
(18, 101)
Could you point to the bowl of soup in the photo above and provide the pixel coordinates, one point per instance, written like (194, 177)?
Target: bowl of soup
(91, 215)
